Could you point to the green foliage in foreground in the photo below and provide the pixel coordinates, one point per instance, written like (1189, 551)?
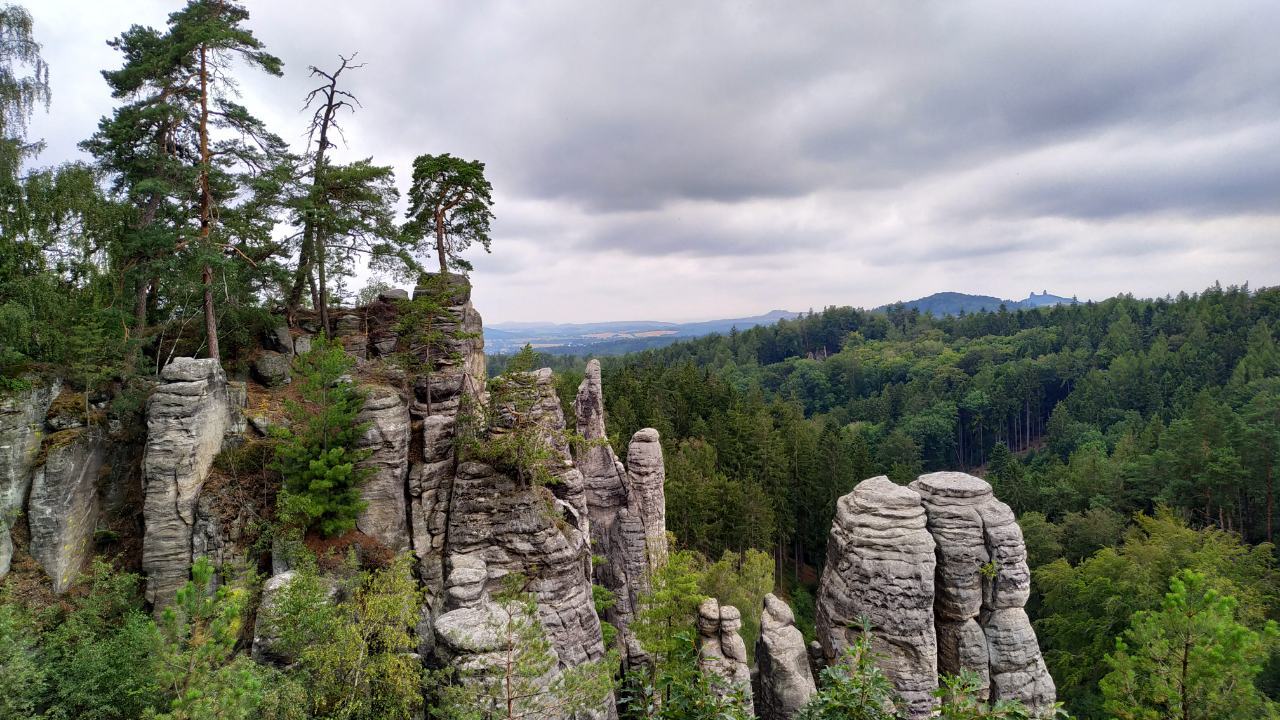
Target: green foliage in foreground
(855, 688)
(1189, 658)
(1083, 608)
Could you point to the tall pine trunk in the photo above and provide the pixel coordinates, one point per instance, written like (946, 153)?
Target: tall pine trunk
(206, 209)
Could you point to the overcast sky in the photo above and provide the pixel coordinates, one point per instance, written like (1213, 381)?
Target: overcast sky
(689, 160)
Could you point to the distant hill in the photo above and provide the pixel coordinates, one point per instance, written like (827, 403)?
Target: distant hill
(954, 303)
(625, 336)
(611, 338)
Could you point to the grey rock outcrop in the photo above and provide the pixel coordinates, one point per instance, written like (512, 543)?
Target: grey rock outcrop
(281, 340)
(983, 582)
(187, 416)
(880, 566)
(647, 477)
(782, 659)
(62, 511)
(272, 368)
(498, 527)
(456, 379)
(386, 437)
(722, 655)
(21, 428)
(626, 508)
(266, 647)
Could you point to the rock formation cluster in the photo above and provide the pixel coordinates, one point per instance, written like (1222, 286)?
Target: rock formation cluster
(938, 571)
(626, 507)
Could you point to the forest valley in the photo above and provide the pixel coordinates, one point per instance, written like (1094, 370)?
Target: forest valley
(1136, 440)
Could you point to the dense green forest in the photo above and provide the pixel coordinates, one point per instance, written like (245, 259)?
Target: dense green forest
(1083, 417)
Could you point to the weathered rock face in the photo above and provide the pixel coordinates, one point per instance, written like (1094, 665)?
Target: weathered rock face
(626, 507)
(267, 647)
(603, 474)
(272, 368)
(785, 679)
(497, 527)
(983, 582)
(266, 639)
(547, 413)
(63, 509)
(456, 379)
(880, 566)
(21, 428)
(647, 477)
(387, 438)
(187, 416)
(886, 544)
(722, 655)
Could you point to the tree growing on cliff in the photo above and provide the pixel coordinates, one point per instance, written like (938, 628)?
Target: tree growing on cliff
(184, 152)
(449, 203)
(1189, 659)
(346, 209)
(317, 453)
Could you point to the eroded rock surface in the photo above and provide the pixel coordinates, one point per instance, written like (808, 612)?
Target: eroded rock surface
(186, 418)
(22, 416)
(782, 659)
(626, 507)
(880, 566)
(983, 582)
(722, 654)
(498, 527)
(63, 508)
(386, 437)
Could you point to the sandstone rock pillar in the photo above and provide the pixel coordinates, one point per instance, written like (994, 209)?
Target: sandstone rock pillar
(786, 682)
(186, 418)
(880, 567)
(983, 582)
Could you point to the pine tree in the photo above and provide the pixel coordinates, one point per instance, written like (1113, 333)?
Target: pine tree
(1189, 660)
(449, 203)
(317, 452)
(183, 151)
(346, 209)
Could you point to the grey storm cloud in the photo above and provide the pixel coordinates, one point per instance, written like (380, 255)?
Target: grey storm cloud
(907, 147)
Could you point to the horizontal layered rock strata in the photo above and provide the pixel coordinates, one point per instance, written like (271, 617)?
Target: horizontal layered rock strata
(983, 582)
(880, 568)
